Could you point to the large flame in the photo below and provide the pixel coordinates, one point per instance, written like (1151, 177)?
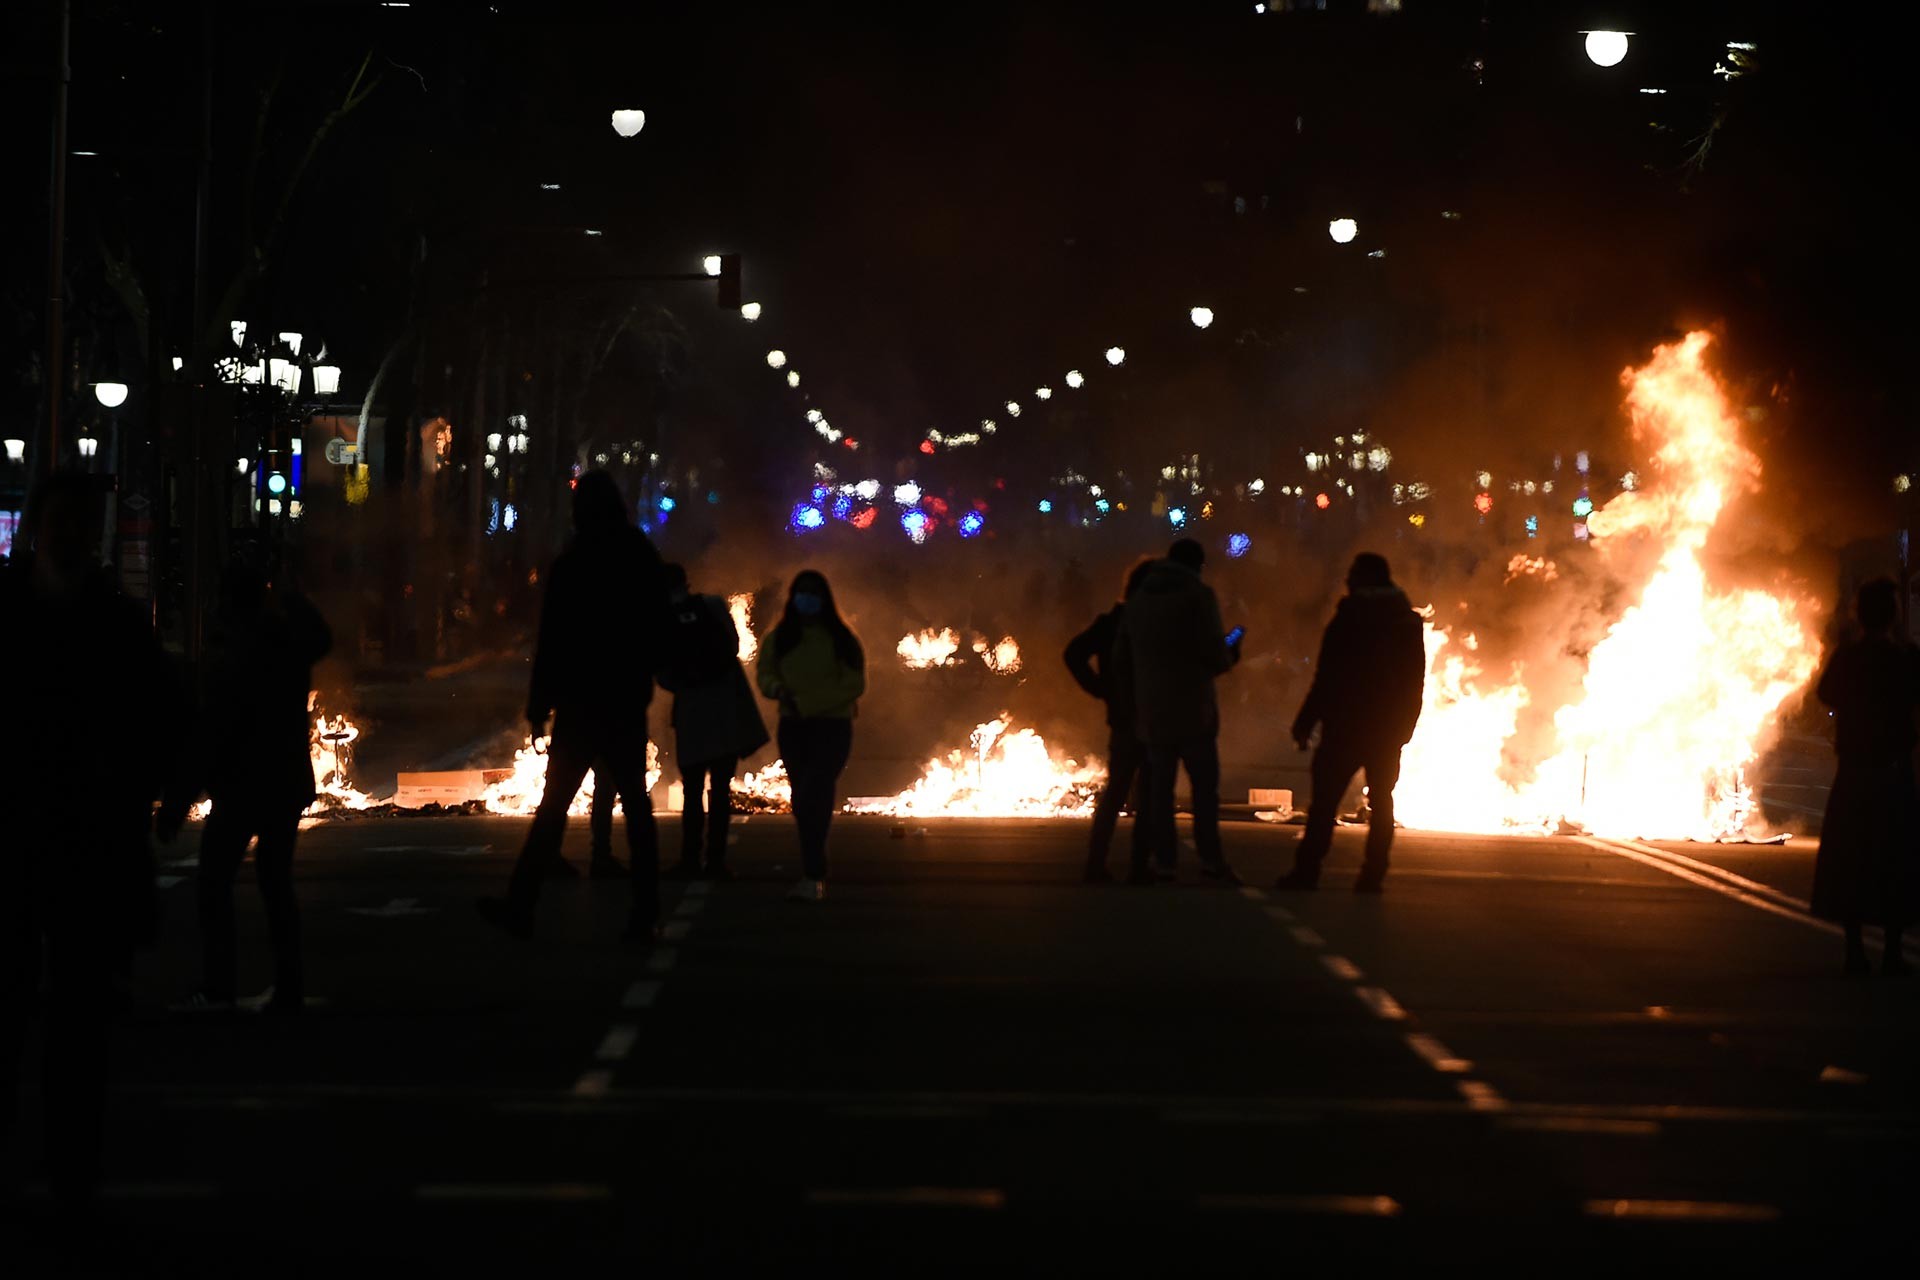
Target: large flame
(1679, 695)
(330, 745)
(741, 607)
(1004, 773)
(929, 648)
(518, 794)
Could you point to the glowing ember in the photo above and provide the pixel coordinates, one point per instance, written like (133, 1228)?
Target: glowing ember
(518, 795)
(741, 607)
(929, 649)
(1678, 696)
(1004, 773)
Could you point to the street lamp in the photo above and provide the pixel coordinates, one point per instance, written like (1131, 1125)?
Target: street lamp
(1076, 379)
(1607, 48)
(1343, 230)
(711, 264)
(1201, 317)
(750, 312)
(284, 375)
(326, 379)
(16, 450)
(776, 359)
(627, 121)
(88, 446)
(1116, 356)
(239, 330)
(292, 341)
(111, 395)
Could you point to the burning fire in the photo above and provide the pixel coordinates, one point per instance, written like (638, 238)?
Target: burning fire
(1002, 658)
(331, 747)
(741, 607)
(929, 649)
(1680, 694)
(764, 789)
(518, 794)
(1005, 773)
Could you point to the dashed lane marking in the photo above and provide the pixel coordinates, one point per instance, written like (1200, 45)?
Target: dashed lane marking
(544, 1191)
(987, 1198)
(1437, 1055)
(1481, 1096)
(1337, 1206)
(1307, 936)
(1681, 1210)
(1383, 1005)
(1280, 915)
(675, 930)
(1341, 968)
(662, 960)
(167, 882)
(641, 995)
(1253, 893)
(618, 1042)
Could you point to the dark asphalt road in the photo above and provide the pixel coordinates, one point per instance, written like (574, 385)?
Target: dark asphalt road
(964, 1058)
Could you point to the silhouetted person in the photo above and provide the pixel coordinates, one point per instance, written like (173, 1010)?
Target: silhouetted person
(1868, 869)
(715, 720)
(1367, 690)
(1090, 659)
(89, 700)
(811, 664)
(1171, 645)
(593, 667)
(601, 864)
(253, 757)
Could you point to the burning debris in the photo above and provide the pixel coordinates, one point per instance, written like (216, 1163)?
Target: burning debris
(930, 649)
(330, 746)
(518, 794)
(1004, 773)
(1678, 697)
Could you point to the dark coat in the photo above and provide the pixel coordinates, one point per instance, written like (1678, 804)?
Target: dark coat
(1868, 868)
(601, 625)
(256, 739)
(715, 715)
(1171, 645)
(1369, 682)
(1090, 660)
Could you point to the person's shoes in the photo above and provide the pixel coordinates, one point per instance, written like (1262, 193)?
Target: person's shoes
(607, 867)
(1857, 963)
(1371, 882)
(561, 869)
(1220, 873)
(1143, 877)
(202, 1003)
(500, 913)
(717, 871)
(1895, 965)
(643, 931)
(1096, 873)
(685, 869)
(806, 890)
(1298, 881)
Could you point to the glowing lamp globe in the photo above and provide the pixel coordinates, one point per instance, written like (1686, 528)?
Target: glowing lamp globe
(1201, 317)
(110, 394)
(711, 264)
(776, 359)
(628, 122)
(750, 312)
(1343, 230)
(1606, 48)
(326, 379)
(1116, 356)
(1075, 379)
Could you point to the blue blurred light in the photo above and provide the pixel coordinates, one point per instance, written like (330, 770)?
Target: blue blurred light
(1046, 506)
(1583, 506)
(1238, 545)
(666, 504)
(914, 522)
(510, 518)
(819, 493)
(971, 523)
(1177, 516)
(1533, 526)
(713, 497)
(276, 484)
(842, 507)
(493, 515)
(807, 517)
(1102, 505)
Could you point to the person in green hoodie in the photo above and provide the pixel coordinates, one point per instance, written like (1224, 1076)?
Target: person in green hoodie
(813, 666)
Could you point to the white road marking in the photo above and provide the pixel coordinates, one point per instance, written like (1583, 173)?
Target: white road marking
(1253, 893)
(1280, 915)
(395, 907)
(641, 995)
(1340, 1206)
(675, 930)
(1580, 1124)
(910, 1197)
(1342, 968)
(593, 1084)
(662, 959)
(618, 1042)
(512, 1191)
(1681, 1210)
(167, 882)
(1840, 1075)
(1436, 1054)
(1773, 902)
(1306, 936)
(1481, 1096)
(1382, 1004)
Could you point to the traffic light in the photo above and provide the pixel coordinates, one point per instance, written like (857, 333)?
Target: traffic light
(729, 282)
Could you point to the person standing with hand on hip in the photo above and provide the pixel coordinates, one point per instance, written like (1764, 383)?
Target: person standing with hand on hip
(813, 666)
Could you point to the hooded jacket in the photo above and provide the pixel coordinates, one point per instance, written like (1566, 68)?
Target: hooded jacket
(601, 625)
(1369, 682)
(1170, 646)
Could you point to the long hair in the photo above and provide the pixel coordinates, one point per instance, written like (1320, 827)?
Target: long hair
(786, 632)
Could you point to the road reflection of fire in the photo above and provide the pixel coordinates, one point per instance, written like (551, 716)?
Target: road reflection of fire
(1679, 696)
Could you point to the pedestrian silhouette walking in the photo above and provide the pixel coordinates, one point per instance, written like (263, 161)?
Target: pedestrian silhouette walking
(88, 688)
(812, 665)
(1090, 659)
(1868, 868)
(715, 720)
(593, 667)
(252, 756)
(1365, 699)
(1170, 646)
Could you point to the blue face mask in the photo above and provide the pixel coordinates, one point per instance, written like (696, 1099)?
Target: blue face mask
(808, 604)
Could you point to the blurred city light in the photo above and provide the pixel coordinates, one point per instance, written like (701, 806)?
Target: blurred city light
(627, 122)
(907, 494)
(1238, 545)
(1075, 379)
(1201, 317)
(806, 516)
(776, 359)
(1116, 356)
(1177, 517)
(711, 264)
(1606, 48)
(750, 312)
(1343, 230)
(326, 379)
(1046, 506)
(971, 523)
(110, 394)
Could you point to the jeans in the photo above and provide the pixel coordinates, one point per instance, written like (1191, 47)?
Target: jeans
(223, 846)
(569, 756)
(706, 821)
(1334, 764)
(815, 751)
(600, 817)
(1201, 756)
(1126, 764)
